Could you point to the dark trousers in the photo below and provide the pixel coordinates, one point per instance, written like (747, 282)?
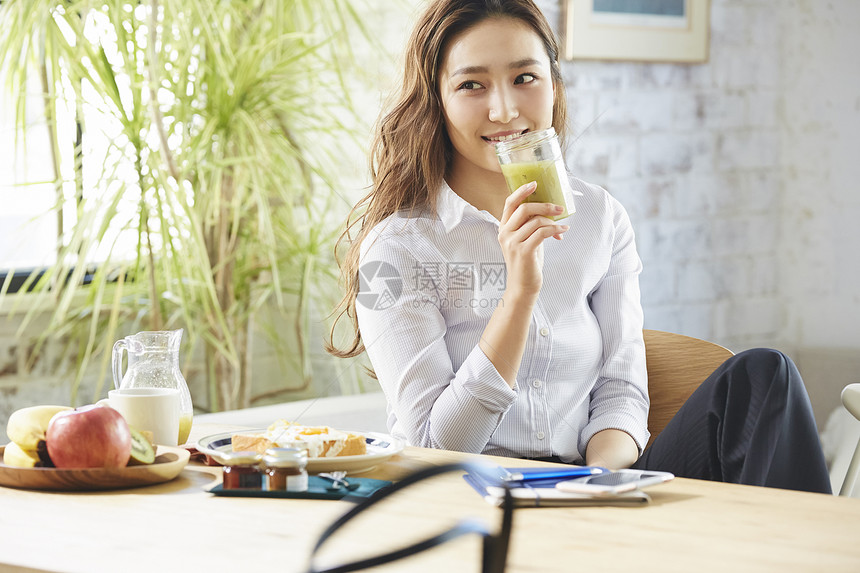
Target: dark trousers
(750, 422)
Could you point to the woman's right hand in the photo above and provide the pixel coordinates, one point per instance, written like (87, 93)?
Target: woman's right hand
(522, 231)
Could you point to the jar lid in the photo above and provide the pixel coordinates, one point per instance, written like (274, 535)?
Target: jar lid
(286, 458)
(526, 140)
(241, 458)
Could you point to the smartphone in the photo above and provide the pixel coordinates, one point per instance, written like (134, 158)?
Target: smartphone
(613, 483)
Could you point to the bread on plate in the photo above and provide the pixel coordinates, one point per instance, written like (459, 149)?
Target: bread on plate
(319, 441)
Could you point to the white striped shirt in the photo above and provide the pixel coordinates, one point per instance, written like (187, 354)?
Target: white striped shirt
(429, 284)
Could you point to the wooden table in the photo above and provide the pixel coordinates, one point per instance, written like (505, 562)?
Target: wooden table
(690, 525)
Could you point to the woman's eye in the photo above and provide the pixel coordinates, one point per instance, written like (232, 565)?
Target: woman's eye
(525, 78)
(470, 85)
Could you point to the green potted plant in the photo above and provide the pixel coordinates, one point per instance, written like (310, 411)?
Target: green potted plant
(213, 200)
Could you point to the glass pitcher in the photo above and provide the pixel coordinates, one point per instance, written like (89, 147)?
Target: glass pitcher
(153, 362)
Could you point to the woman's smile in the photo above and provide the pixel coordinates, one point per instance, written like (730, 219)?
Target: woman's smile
(503, 136)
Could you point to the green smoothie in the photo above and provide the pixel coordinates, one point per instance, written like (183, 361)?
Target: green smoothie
(545, 173)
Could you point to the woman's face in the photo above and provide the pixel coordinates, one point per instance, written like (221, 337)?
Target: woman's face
(495, 83)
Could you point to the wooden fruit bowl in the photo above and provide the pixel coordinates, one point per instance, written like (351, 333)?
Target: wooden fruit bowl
(169, 461)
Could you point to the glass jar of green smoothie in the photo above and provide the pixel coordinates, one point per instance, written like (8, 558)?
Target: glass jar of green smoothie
(536, 156)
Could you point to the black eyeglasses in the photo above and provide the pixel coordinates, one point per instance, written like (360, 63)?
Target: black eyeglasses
(495, 545)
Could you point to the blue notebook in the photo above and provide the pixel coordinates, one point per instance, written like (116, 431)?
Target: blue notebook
(543, 493)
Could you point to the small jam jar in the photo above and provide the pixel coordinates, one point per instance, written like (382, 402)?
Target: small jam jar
(242, 471)
(285, 469)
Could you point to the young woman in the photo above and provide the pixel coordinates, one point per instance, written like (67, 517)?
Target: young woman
(493, 328)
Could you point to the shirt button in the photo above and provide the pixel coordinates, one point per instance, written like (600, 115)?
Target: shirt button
(537, 383)
(544, 331)
(540, 435)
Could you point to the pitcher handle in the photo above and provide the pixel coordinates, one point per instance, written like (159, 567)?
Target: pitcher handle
(116, 361)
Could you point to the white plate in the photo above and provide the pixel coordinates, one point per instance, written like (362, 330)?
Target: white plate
(380, 447)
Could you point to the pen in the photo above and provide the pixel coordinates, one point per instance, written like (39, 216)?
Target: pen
(566, 473)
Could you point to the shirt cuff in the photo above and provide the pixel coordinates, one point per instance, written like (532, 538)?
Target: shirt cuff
(615, 421)
(484, 383)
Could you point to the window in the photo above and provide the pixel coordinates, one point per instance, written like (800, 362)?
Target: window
(29, 226)
(38, 217)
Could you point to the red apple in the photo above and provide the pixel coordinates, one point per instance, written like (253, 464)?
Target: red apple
(89, 437)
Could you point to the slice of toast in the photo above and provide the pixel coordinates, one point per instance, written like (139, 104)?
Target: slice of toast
(319, 441)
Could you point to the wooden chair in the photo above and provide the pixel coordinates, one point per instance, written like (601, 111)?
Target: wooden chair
(676, 364)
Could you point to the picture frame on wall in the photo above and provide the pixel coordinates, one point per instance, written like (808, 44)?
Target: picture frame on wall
(637, 30)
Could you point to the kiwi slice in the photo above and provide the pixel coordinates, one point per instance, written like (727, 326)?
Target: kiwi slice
(142, 450)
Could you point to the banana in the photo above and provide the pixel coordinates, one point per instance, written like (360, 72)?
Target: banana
(27, 426)
(15, 456)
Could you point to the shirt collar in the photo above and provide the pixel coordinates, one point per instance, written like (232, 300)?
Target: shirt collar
(452, 208)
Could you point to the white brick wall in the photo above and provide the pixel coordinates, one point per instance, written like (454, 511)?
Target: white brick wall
(820, 126)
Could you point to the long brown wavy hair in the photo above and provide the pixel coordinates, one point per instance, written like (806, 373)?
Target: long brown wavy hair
(410, 152)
